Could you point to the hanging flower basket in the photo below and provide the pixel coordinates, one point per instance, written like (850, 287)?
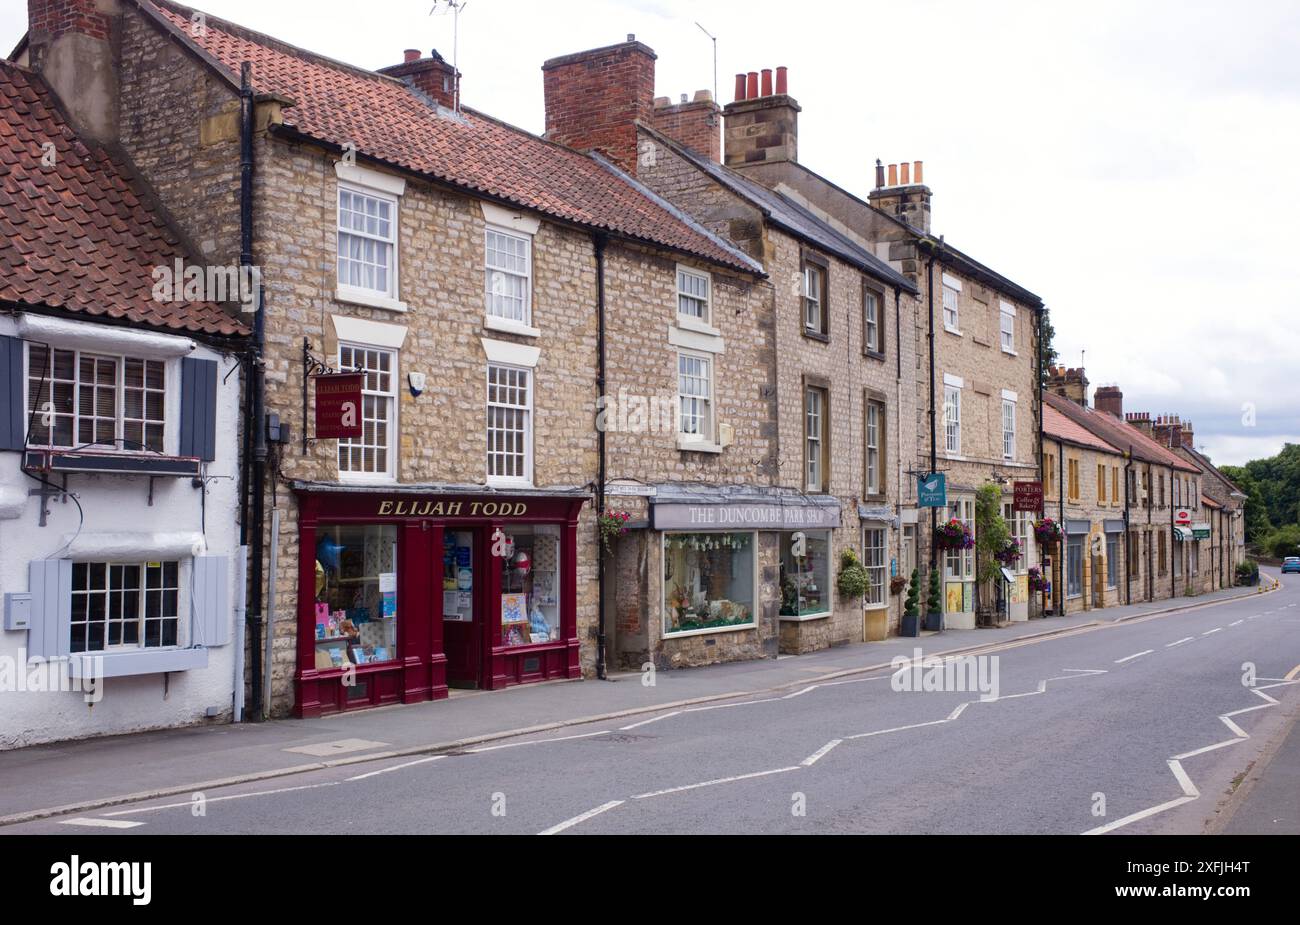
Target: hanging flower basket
(1010, 554)
(613, 524)
(1047, 532)
(1036, 580)
(954, 535)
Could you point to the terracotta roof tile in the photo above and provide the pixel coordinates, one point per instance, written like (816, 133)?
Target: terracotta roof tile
(76, 235)
(1115, 432)
(390, 122)
(1058, 426)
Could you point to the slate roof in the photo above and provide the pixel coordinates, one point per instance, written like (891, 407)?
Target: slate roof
(1059, 427)
(790, 216)
(1116, 432)
(389, 122)
(81, 235)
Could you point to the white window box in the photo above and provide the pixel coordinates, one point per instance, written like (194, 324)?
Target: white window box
(686, 444)
(370, 299)
(711, 631)
(144, 661)
(509, 326)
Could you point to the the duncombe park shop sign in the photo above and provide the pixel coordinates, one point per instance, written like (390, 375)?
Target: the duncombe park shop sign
(745, 516)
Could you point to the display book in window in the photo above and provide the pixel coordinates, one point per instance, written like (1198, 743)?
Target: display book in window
(530, 584)
(356, 599)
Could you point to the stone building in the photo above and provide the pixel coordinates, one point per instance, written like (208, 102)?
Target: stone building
(970, 337)
(119, 544)
(1158, 485)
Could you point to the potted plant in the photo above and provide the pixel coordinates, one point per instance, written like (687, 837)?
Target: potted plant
(897, 584)
(1047, 532)
(911, 625)
(953, 535)
(613, 524)
(934, 603)
(853, 578)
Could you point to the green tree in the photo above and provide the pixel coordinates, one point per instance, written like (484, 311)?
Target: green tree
(991, 536)
(1258, 524)
(1047, 354)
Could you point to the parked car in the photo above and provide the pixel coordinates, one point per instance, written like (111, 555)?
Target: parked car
(1291, 564)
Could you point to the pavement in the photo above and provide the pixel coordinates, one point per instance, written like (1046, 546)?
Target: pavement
(96, 774)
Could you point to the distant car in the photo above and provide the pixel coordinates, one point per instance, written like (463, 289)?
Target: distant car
(1291, 564)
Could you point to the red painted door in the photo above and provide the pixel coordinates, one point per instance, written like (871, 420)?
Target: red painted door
(462, 629)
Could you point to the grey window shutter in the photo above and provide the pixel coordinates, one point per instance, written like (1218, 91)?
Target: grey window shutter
(210, 623)
(50, 583)
(199, 408)
(13, 423)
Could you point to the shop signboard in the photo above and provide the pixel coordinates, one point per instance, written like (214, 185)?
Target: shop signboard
(1028, 497)
(932, 490)
(338, 406)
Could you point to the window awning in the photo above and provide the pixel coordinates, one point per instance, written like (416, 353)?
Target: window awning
(1183, 533)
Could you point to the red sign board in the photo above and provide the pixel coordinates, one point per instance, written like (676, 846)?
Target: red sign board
(1029, 497)
(338, 406)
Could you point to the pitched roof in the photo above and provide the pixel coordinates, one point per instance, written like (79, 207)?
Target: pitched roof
(80, 235)
(1203, 461)
(390, 122)
(789, 215)
(1116, 432)
(1057, 426)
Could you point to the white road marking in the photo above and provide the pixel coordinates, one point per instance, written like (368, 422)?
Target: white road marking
(647, 722)
(727, 706)
(397, 767)
(1129, 658)
(1137, 817)
(711, 783)
(1217, 629)
(100, 823)
(880, 732)
(820, 753)
(233, 796)
(957, 712)
(810, 687)
(1236, 622)
(1085, 671)
(570, 823)
(493, 748)
(1180, 642)
(1189, 789)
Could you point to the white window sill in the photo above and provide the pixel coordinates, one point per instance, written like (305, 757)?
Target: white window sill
(509, 483)
(371, 299)
(1010, 353)
(698, 446)
(688, 323)
(367, 478)
(956, 331)
(509, 326)
(126, 664)
(711, 631)
(803, 617)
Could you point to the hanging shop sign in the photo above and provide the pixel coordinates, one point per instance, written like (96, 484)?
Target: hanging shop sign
(932, 490)
(752, 515)
(1028, 497)
(338, 406)
(1201, 531)
(1182, 517)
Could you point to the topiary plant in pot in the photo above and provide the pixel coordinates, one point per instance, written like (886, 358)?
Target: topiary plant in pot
(911, 625)
(934, 603)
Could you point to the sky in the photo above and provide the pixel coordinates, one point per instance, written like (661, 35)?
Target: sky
(1133, 164)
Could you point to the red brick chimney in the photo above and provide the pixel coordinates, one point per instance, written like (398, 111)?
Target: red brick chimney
(595, 98)
(903, 196)
(432, 76)
(1169, 430)
(762, 124)
(1110, 399)
(696, 124)
(70, 45)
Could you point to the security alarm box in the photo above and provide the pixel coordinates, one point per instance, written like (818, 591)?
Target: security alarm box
(18, 610)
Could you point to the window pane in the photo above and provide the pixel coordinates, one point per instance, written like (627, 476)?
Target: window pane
(708, 580)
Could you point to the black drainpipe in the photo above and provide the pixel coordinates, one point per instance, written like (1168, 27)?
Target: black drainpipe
(1042, 460)
(934, 449)
(599, 241)
(1128, 533)
(256, 390)
(1065, 537)
(1173, 577)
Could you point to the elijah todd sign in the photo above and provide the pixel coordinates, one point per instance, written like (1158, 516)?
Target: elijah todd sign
(338, 406)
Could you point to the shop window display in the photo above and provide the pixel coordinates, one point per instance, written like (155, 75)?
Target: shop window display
(458, 576)
(708, 581)
(805, 574)
(356, 595)
(530, 586)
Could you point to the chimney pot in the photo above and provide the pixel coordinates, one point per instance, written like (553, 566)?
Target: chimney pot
(782, 84)
(740, 87)
(880, 174)
(893, 174)
(631, 37)
(411, 54)
(683, 97)
(905, 174)
(917, 173)
(767, 81)
(751, 85)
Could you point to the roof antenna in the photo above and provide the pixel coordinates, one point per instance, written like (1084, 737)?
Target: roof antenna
(715, 62)
(454, 7)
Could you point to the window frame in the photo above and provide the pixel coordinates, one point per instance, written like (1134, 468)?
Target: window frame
(872, 294)
(142, 591)
(527, 276)
(870, 599)
(1007, 339)
(708, 436)
(510, 481)
(954, 310)
(952, 423)
(1009, 434)
(666, 633)
(390, 472)
(349, 291)
(820, 267)
(1112, 561)
(822, 438)
(691, 322)
(874, 403)
(169, 390)
(962, 509)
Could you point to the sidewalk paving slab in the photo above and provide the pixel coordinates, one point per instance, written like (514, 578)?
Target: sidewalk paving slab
(42, 780)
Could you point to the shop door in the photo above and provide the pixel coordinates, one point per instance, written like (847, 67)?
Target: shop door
(462, 632)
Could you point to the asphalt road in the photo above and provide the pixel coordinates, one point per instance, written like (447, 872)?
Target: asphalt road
(1144, 726)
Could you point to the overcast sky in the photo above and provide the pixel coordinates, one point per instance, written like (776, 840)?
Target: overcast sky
(1133, 164)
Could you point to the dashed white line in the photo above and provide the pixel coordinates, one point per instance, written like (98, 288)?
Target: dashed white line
(1180, 642)
(713, 783)
(820, 753)
(493, 748)
(100, 823)
(233, 796)
(1236, 622)
(647, 722)
(397, 767)
(570, 823)
(1217, 629)
(1129, 658)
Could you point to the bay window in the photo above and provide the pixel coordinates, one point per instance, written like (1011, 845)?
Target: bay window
(805, 573)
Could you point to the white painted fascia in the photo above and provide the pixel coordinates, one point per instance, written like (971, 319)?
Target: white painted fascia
(695, 340)
(79, 335)
(369, 333)
(508, 353)
(374, 179)
(513, 220)
(955, 381)
(952, 282)
(118, 547)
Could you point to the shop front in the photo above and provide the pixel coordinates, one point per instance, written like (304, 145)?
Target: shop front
(403, 593)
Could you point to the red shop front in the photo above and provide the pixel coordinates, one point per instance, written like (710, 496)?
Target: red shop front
(406, 592)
